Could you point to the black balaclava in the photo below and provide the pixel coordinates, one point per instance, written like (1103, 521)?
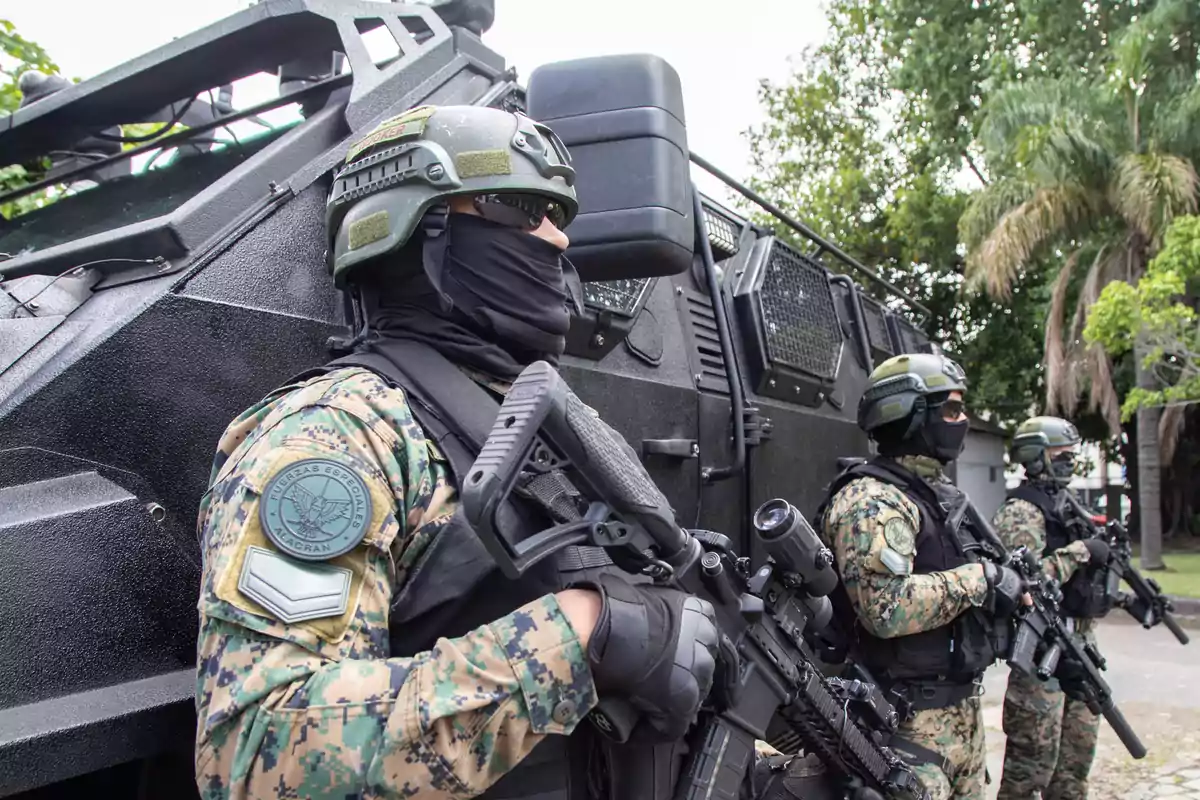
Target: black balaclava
(933, 437)
(489, 296)
(1062, 467)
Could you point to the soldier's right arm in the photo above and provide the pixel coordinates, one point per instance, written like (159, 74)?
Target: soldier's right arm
(317, 708)
(873, 529)
(1019, 523)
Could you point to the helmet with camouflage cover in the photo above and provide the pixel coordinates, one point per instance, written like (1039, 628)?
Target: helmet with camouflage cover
(1033, 441)
(419, 159)
(899, 387)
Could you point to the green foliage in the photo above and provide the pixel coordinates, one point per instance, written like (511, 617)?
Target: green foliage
(1159, 314)
(23, 55)
(1063, 127)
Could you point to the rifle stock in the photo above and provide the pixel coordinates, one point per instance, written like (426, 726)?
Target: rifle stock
(764, 615)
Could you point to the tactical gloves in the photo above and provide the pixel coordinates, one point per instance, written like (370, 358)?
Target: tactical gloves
(1071, 679)
(656, 648)
(1098, 551)
(1005, 587)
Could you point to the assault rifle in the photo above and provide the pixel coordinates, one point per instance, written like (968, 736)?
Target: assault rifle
(1147, 604)
(764, 614)
(1042, 644)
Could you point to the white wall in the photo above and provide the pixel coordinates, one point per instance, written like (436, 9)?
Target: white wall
(981, 471)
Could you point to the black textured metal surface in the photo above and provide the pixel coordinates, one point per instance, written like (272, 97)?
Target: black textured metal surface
(83, 558)
(18, 335)
(257, 39)
(797, 307)
(278, 266)
(56, 739)
(644, 409)
(124, 201)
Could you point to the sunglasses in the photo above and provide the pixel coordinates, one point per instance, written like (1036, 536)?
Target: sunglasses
(522, 211)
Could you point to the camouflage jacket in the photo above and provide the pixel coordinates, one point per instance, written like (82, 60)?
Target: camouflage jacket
(1020, 523)
(872, 527)
(317, 708)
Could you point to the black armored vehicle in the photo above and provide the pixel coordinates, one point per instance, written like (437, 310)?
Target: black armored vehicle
(177, 279)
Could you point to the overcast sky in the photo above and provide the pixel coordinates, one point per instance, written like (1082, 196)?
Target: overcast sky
(721, 50)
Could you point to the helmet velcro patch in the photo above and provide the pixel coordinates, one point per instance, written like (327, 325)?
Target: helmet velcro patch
(370, 228)
(408, 125)
(482, 163)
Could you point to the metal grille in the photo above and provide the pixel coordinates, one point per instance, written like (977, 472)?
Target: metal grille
(877, 331)
(619, 296)
(702, 318)
(722, 234)
(801, 323)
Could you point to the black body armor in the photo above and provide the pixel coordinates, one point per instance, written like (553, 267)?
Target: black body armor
(935, 668)
(1086, 594)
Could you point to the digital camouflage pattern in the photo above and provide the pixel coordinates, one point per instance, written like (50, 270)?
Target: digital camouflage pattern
(318, 709)
(1051, 742)
(866, 523)
(1051, 738)
(957, 733)
(1020, 523)
(863, 526)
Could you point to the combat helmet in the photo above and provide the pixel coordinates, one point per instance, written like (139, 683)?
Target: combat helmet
(901, 388)
(413, 162)
(1033, 439)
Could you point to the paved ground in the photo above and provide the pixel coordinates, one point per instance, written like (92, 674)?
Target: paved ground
(1156, 682)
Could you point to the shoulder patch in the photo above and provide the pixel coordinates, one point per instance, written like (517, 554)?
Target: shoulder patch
(894, 562)
(294, 591)
(900, 536)
(315, 509)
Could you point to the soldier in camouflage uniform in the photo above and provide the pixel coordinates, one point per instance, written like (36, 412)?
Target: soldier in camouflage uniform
(328, 495)
(355, 638)
(921, 611)
(1051, 736)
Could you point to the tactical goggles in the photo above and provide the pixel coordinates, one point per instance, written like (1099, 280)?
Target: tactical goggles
(951, 409)
(522, 211)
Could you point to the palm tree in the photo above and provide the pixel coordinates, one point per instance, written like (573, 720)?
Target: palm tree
(1096, 170)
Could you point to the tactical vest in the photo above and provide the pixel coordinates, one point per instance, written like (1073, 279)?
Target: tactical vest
(934, 668)
(1086, 594)
(455, 586)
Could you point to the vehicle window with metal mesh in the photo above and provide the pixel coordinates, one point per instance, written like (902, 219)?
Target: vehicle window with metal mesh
(128, 199)
(877, 331)
(801, 323)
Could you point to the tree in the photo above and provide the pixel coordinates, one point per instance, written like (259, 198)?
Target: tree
(840, 151)
(23, 55)
(1158, 315)
(1095, 167)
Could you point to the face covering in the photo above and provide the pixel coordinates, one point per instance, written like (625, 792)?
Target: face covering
(515, 287)
(937, 439)
(1062, 467)
(945, 440)
(489, 296)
